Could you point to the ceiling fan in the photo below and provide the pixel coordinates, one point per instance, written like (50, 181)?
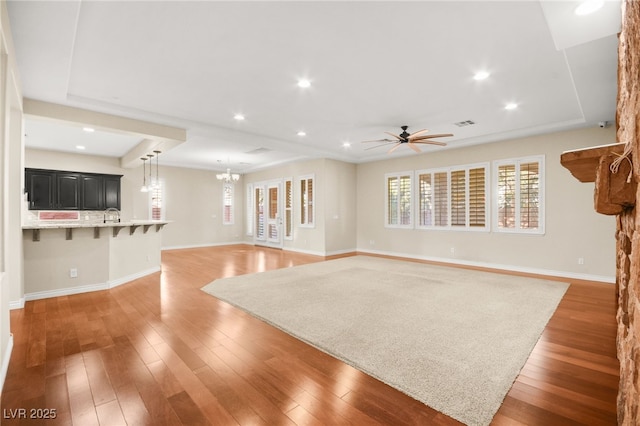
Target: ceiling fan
(411, 139)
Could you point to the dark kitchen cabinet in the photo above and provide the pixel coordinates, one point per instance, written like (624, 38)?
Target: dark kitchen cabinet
(92, 192)
(64, 190)
(112, 192)
(41, 187)
(68, 191)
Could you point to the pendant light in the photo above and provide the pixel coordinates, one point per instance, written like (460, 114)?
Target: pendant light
(150, 166)
(144, 187)
(156, 184)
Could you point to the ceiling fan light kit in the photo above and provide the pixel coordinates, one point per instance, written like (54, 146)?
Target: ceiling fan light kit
(411, 139)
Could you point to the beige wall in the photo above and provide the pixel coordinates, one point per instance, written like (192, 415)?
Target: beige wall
(194, 207)
(100, 262)
(340, 206)
(350, 208)
(573, 229)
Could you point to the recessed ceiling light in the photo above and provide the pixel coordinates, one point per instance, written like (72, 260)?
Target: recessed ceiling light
(588, 6)
(89, 129)
(346, 144)
(304, 83)
(511, 106)
(238, 117)
(80, 147)
(480, 75)
(302, 133)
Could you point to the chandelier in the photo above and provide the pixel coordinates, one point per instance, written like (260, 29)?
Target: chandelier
(228, 177)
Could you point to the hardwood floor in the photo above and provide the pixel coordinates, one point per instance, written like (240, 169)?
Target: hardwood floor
(159, 351)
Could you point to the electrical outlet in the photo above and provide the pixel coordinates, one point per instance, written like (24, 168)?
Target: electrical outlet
(581, 261)
(73, 273)
(453, 250)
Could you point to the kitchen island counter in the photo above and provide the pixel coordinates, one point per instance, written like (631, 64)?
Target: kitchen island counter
(63, 258)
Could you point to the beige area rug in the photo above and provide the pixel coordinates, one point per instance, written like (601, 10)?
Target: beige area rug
(451, 338)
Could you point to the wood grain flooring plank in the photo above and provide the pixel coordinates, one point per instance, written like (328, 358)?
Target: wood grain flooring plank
(101, 388)
(158, 351)
(133, 407)
(586, 414)
(83, 411)
(110, 414)
(187, 410)
(57, 395)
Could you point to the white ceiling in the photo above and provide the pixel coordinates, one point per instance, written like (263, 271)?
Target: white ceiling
(374, 66)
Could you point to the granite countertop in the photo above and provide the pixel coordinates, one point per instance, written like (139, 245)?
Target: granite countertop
(90, 224)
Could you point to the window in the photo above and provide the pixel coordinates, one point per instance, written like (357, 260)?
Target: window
(288, 209)
(307, 208)
(398, 200)
(157, 201)
(453, 198)
(227, 203)
(259, 212)
(519, 195)
(273, 212)
(478, 197)
(249, 209)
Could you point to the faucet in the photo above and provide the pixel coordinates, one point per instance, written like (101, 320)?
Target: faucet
(111, 215)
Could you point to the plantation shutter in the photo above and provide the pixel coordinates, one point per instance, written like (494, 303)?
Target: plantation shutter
(458, 198)
(440, 199)
(310, 201)
(392, 200)
(477, 197)
(288, 209)
(529, 195)
(507, 196)
(259, 213)
(405, 200)
(425, 201)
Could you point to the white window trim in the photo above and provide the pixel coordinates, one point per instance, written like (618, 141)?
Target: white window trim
(449, 226)
(313, 204)
(249, 209)
(494, 195)
(412, 192)
(292, 208)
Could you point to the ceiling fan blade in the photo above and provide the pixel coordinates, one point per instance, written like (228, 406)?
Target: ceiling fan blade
(413, 147)
(414, 134)
(377, 146)
(431, 142)
(394, 147)
(395, 136)
(440, 135)
(379, 140)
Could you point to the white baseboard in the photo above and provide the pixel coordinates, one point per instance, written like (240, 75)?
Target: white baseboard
(5, 361)
(303, 251)
(319, 253)
(513, 268)
(192, 246)
(16, 304)
(126, 279)
(337, 252)
(90, 287)
(537, 271)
